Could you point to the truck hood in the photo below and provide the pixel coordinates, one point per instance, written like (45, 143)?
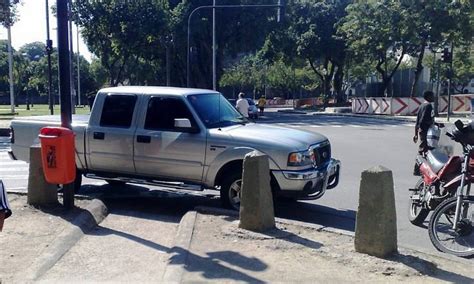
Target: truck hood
(264, 135)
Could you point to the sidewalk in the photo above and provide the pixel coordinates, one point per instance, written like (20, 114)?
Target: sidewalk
(211, 248)
(55, 245)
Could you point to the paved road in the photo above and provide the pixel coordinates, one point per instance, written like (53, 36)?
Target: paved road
(360, 143)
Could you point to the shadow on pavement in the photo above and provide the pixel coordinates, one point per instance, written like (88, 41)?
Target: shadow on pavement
(177, 203)
(211, 268)
(318, 214)
(428, 268)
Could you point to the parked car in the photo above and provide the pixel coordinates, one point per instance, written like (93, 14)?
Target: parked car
(184, 138)
(253, 110)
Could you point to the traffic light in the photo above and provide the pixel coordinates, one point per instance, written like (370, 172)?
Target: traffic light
(447, 55)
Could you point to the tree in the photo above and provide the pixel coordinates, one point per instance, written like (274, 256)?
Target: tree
(434, 24)
(311, 35)
(8, 13)
(123, 33)
(374, 34)
(34, 51)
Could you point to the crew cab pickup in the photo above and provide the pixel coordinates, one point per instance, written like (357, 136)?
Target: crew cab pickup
(184, 138)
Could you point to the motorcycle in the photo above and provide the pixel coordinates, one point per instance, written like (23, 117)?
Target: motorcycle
(451, 227)
(440, 177)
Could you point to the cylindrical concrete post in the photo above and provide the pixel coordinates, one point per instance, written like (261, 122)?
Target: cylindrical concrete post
(376, 224)
(256, 201)
(39, 191)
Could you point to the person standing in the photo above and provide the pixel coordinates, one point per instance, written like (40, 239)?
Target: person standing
(261, 104)
(242, 105)
(5, 211)
(424, 120)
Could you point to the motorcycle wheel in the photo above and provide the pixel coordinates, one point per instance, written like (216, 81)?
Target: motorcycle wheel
(416, 212)
(459, 242)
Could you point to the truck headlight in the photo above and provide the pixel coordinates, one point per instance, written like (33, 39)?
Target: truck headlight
(302, 158)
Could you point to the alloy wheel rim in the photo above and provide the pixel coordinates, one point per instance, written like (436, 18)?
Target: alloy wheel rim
(234, 193)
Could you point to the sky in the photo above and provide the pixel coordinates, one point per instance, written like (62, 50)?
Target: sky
(31, 27)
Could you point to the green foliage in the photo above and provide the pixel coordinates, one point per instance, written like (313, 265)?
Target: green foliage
(8, 12)
(124, 34)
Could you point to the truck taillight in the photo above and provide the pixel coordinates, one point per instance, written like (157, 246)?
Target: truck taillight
(12, 135)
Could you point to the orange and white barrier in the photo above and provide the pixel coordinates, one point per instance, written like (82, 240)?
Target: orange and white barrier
(409, 106)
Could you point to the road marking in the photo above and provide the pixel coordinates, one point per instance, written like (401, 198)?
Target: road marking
(13, 163)
(10, 170)
(14, 177)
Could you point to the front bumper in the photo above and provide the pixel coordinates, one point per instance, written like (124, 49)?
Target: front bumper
(309, 184)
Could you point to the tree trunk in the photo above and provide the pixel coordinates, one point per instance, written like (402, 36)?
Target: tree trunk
(338, 80)
(419, 69)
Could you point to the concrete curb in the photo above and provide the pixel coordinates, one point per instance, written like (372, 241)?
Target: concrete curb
(179, 252)
(93, 215)
(293, 111)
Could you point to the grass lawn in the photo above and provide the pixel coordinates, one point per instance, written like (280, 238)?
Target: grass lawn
(5, 111)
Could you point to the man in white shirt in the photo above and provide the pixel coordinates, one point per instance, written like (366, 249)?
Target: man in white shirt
(242, 105)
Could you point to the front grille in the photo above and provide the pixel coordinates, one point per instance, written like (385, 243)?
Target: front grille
(322, 154)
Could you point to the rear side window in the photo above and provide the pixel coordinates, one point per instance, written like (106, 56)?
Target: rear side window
(118, 111)
(162, 112)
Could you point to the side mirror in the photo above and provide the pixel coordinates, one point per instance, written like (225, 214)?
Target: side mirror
(184, 124)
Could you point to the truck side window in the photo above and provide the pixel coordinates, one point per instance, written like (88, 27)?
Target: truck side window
(118, 111)
(161, 113)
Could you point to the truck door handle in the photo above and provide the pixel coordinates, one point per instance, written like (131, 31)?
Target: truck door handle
(99, 135)
(143, 139)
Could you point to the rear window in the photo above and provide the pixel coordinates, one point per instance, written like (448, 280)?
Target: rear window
(118, 111)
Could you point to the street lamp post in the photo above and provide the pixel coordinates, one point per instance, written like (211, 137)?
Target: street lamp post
(49, 49)
(10, 67)
(78, 68)
(214, 47)
(214, 7)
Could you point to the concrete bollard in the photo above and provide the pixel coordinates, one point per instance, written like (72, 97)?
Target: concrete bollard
(256, 201)
(376, 223)
(39, 191)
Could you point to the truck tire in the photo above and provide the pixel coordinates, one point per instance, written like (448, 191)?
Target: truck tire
(230, 190)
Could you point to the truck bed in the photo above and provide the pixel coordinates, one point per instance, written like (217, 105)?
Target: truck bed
(26, 130)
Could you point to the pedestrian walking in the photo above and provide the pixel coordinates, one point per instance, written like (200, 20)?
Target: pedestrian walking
(242, 105)
(424, 120)
(5, 211)
(261, 104)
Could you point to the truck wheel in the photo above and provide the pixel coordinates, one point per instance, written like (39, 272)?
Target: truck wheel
(115, 182)
(230, 190)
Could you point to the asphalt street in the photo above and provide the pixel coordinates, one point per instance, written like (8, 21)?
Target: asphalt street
(360, 143)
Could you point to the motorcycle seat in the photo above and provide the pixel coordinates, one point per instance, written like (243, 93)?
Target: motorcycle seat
(436, 159)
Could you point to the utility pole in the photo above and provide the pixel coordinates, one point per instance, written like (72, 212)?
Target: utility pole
(71, 54)
(78, 68)
(214, 72)
(49, 49)
(281, 7)
(10, 65)
(64, 84)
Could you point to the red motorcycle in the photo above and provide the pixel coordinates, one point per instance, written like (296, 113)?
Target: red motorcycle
(440, 178)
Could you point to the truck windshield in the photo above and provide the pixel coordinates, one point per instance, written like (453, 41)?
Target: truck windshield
(215, 111)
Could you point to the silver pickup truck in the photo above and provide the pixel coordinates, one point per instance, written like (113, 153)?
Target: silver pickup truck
(185, 138)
